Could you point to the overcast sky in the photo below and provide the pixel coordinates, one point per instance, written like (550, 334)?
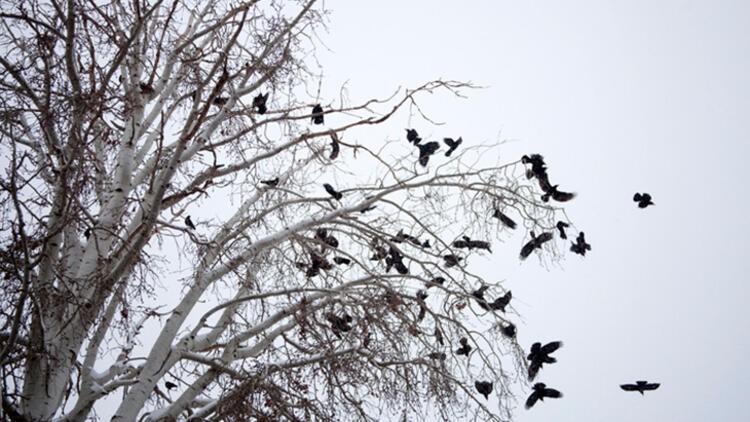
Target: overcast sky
(619, 97)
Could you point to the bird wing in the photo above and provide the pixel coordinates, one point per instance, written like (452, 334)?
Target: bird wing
(629, 387)
(534, 368)
(531, 401)
(637, 197)
(551, 392)
(551, 347)
(528, 248)
(652, 386)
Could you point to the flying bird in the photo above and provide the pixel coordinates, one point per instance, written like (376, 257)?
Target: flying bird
(426, 150)
(504, 219)
(484, 388)
(535, 243)
(317, 114)
(465, 347)
(452, 145)
(501, 302)
(643, 200)
(259, 103)
(640, 386)
(561, 225)
(580, 246)
(467, 243)
(189, 223)
(331, 191)
(540, 392)
(412, 136)
(540, 355)
(271, 182)
(334, 146)
(557, 195)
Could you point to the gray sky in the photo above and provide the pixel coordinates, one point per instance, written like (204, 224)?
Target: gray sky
(619, 97)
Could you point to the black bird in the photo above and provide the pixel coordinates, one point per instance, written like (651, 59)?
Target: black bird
(640, 386)
(479, 296)
(331, 191)
(412, 136)
(509, 330)
(189, 223)
(366, 209)
(401, 237)
(500, 303)
(436, 355)
(380, 253)
(465, 347)
(170, 385)
(484, 388)
(535, 243)
(561, 225)
(426, 150)
(220, 101)
(557, 195)
(580, 246)
(323, 236)
(396, 259)
(259, 103)
(451, 260)
(434, 281)
(341, 260)
(467, 243)
(540, 355)
(643, 200)
(438, 336)
(504, 219)
(538, 168)
(87, 233)
(271, 182)
(421, 296)
(317, 114)
(334, 146)
(452, 145)
(338, 323)
(540, 392)
(317, 263)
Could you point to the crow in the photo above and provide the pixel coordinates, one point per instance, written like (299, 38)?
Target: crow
(465, 347)
(643, 200)
(339, 260)
(479, 296)
(87, 233)
(146, 88)
(170, 385)
(640, 386)
(535, 243)
(366, 209)
(436, 355)
(451, 260)
(538, 168)
(434, 281)
(540, 392)
(189, 223)
(509, 330)
(396, 259)
(426, 243)
(580, 246)
(271, 182)
(452, 145)
(561, 225)
(412, 136)
(401, 237)
(438, 336)
(421, 296)
(426, 150)
(557, 195)
(467, 243)
(540, 355)
(334, 146)
(380, 253)
(331, 191)
(259, 103)
(317, 114)
(338, 323)
(220, 101)
(484, 388)
(500, 303)
(504, 219)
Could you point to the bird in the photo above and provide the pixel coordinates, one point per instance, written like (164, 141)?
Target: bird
(501, 302)
(509, 330)
(366, 209)
(271, 182)
(323, 236)
(396, 259)
(334, 146)
(341, 260)
(540, 355)
(504, 219)
(479, 296)
(317, 114)
(220, 101)
(452, 145)
(170, 385)
(484, 388)
(434, 281)
(580, 246)
(87, 233)
(331, 191)
(467, 243)
(426, 150)
(436, 355)
(561, 225)
(643, 199)
(189, 223)
(259, 103)
(451, 260)
(640, 386)
(340, 323)
(412, 136)
(557, 195)
(535, 243)
(465, 347)
(540, 392)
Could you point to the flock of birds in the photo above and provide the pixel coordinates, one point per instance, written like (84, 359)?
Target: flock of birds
(539, 354)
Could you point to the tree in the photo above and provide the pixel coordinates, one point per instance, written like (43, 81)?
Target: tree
(123, 122)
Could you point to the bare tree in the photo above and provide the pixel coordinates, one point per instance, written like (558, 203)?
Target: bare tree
(318, 293)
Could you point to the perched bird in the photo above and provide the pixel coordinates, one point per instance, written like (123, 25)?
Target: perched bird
(259, 103)
(317, 114)
(366, 209)
(87, 233)
(380, 253)
(412, 136)
(540, 355)
(557, 195)
(426, 150)
(434, 281)
(535, 243)
(540, 392)
(580, 246)
(271, 182)
(451, 260)
(500, 303)
(421, 296)
(465, 347)
(323, 236)
(338, 323)
(643, 200)
(220, 101)
(509, 330)
(479, 296)
(452, 145)
(334, 146)
(561, 225)
(331, 191)
(484, 388)
(640, 386)
(396, 259)
(467, 243)
(189, 223)
(436, 355)
(170, 385)
(341, 260)
(504, 219)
